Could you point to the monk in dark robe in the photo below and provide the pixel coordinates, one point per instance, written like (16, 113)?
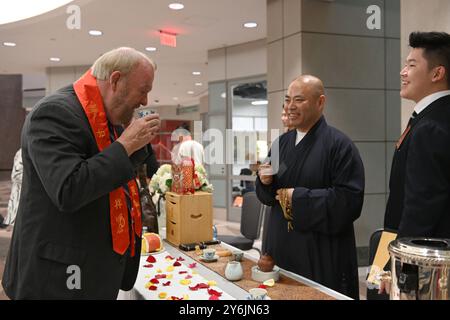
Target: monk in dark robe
(314, 183)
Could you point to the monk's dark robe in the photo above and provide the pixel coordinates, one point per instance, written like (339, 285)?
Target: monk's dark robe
(327, 174)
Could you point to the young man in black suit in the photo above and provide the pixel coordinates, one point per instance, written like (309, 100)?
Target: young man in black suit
(419, 200)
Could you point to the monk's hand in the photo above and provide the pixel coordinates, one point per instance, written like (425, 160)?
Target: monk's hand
(139, 133)
(284, 196)
(265, 173)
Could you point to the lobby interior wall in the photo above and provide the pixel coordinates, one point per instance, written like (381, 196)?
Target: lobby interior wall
(359, 67)
(12, 118)
(416, 15)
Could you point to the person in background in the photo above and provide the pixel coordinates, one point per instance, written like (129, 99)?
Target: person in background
(78, 227)
(285, 119)
(187, 147)
(16, 185)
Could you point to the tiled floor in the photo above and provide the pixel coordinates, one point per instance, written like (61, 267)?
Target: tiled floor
(223, 228)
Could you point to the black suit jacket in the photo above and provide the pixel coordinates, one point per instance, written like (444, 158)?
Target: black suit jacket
(63, 216)
(419, 200)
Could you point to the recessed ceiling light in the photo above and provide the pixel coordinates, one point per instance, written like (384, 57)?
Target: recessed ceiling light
(54, 59)
(190, 92)
(95, 33)
(9, 44)
(250, 25)
(196, 73)
(150, 49)
(175, 98)
(260, 103)
(198, 84)
(176, 6)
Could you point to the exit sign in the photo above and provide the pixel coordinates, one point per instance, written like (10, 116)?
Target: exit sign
(168, 39)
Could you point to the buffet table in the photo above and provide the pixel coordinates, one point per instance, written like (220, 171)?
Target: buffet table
(174, 274)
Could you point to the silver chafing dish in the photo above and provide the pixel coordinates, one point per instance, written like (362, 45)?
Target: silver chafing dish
(420, 269)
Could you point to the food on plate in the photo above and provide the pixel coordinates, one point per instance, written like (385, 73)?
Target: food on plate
(151, 242)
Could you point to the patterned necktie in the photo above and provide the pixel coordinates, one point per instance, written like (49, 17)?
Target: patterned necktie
(408, 128)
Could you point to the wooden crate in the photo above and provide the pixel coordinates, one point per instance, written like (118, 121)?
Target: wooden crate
(189, 218)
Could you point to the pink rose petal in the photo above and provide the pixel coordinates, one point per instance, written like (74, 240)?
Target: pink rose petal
(192, 265)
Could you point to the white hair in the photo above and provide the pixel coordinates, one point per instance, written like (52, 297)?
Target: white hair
(121, 59)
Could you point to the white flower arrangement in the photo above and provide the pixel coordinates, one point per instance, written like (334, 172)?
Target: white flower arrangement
(161, 181)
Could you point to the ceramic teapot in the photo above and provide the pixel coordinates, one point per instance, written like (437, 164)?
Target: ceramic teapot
(266, 263)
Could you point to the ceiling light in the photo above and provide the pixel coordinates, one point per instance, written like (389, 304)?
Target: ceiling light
(250, 25)
(12, 11)
(190, 92)
(150, 49)
(54, 59)
(198, 84)
(95, 33)
(196, 73)
(175, 98)
(9, 44)
(176, 6)
(223, 95)
(260, 102)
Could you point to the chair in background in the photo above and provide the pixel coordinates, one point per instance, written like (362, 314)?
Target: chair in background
(251, 218)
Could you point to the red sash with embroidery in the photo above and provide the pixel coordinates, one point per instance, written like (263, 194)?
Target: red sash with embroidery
(89, 96)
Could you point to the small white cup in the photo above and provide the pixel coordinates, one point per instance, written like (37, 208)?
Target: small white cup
(209, 254)
(258, 293)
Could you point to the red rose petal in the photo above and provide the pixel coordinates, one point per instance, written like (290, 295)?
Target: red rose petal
(188, 276)
(151, 259)
(182, 272)
(154, 280)
(213, 297)
(192, 265)
(176, 264)
(170, 257)
(160, 276)
(148, 266)
(262, 286)
(195, 288)
(153, 288)
(180, 259)
(213, 292)
(166, 284)
(176, 298)
(203, 286)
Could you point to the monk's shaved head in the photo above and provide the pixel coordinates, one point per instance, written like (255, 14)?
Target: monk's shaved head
(304, 102)
(312, 83)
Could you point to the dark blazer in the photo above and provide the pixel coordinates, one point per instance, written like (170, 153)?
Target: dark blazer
(63, 216)
(419, 200)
